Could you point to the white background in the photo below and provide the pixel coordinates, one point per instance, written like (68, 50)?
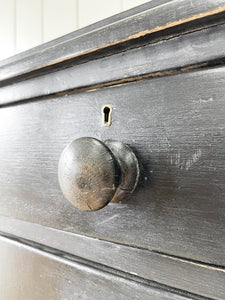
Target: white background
(28, 23)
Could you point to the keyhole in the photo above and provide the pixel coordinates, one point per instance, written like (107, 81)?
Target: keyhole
(106, 115)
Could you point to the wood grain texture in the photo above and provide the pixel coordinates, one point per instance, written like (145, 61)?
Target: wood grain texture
(182, 54)
(127, 33)
(88, 174)
(161, 68)
(190, 276)
(176, 127)
(40, 275)
(84, 30)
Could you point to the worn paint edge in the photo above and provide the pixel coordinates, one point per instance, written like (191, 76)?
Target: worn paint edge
(81, 263)
(115, 83)
(134, 36)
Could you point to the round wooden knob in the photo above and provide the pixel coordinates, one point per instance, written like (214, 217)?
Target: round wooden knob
(93, 173)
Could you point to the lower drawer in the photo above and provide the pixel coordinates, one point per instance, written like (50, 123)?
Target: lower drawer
(30, 274)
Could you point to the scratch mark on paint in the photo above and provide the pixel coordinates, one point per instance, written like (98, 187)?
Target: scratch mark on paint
(195, 157)
(185, 164)
(109, 219)
(200, 100)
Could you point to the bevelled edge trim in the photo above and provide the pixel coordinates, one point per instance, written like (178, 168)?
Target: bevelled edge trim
(159, 268)
(125, 33)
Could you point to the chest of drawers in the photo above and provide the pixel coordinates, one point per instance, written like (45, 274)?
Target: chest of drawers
(160, 68)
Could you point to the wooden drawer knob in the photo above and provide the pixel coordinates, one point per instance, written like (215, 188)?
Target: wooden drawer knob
(93, 173)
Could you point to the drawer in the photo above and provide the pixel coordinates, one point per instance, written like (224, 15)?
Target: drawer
(42, 275)
(175, 126)
(165, 272)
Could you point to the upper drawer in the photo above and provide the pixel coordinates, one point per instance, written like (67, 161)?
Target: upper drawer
(175, 125)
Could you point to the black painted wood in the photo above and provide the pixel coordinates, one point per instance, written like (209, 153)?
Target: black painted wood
(197, 50)
(191, 276)
(115, 18)
(171, 230)
(83, 182)
(160, 19)
(40, 275)
(176, 125)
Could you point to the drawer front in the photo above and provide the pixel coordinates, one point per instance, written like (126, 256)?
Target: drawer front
(40, 275)
(176, 127)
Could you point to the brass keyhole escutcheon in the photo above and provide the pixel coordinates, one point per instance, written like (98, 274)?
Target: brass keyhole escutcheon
(107, 115)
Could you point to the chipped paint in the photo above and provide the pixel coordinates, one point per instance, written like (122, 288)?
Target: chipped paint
(197, 264)
(133, 37)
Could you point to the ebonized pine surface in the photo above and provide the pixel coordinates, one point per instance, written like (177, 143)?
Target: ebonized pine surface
(197, 50)
(176, 274)
(156, 21)
(176, 126)
(40, 275)
(161, 68)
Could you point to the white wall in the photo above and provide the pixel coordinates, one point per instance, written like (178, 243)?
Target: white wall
(28, 23)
